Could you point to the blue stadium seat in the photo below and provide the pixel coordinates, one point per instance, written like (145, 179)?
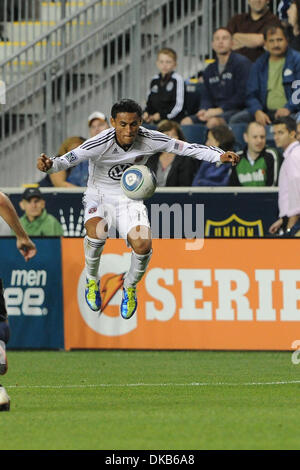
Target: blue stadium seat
(195, 133)
(238, 130)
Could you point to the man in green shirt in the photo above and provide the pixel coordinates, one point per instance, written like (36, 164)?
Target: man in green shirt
(259, 165)
(271, 92)
(36, 221)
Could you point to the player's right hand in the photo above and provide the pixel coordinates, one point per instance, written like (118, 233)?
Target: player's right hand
(44, 163)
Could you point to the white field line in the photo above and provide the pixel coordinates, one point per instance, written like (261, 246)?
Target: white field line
(192, 384)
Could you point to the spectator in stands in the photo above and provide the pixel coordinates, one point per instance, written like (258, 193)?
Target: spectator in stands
(248, 28)
(269, 89)
(74, 177)
(216, 175)
(166, 96)
(97, 122)
(259, 165)
(225, 81)
(293, 14)
(77, 176)
(289, 178)
(171, 169)
(36, 221)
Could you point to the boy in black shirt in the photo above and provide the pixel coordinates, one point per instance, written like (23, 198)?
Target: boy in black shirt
(166, 96)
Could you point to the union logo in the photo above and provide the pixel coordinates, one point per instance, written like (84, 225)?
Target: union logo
(233, 227)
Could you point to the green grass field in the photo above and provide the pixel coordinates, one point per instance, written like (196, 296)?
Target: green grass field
(151, 400)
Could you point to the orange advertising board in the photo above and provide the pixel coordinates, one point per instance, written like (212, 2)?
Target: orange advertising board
(238, 294)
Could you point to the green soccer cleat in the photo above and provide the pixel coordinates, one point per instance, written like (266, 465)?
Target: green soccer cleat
(92, 294)
(129, 302)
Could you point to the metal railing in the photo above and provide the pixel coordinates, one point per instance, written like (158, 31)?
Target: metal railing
(113, 60)
(28, 43)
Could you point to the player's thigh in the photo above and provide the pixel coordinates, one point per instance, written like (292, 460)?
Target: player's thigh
(94, 217)
(131, 214)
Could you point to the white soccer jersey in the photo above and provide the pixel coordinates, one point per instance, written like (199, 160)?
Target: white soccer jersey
(108, 161)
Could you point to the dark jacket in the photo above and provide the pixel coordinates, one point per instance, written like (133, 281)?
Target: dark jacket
(182, 170)
(166, 97)
(228, 90)
(258, 81)
(210, 174)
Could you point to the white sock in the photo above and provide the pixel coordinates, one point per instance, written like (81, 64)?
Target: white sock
(137, 269)
(93, 248)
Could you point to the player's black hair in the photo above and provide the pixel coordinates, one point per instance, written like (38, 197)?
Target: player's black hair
(288, 121)
(126, 106)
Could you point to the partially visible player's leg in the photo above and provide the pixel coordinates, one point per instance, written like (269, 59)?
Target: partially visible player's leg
(4, 332)
(134, 225)
(94, 241)
(140, 257)
(4, 337)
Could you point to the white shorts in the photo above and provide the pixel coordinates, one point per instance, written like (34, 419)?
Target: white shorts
(120, 212)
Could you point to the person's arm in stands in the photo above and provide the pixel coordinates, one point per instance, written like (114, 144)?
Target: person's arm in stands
(60, 180)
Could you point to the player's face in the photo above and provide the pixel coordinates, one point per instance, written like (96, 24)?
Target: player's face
(127, 126)
(256, 138)
(276, 43)
(282, 137)
(96, 126)
(222, 42)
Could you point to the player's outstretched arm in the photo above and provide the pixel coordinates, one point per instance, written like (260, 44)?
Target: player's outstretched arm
(44, 163)
(8, 213)
(231, 157)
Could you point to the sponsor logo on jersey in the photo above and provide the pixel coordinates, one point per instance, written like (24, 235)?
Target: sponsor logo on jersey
(154, 89)
(71, 157)
(234, 226)
(115, 151)
(92, 210)
(116, 171)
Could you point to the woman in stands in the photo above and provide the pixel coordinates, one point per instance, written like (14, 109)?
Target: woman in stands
(171, 169)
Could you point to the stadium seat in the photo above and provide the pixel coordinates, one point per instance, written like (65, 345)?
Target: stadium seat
(238, 130)
(193, 93)
(195, 133)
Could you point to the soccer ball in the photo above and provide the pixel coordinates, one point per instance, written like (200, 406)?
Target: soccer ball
(138, 182)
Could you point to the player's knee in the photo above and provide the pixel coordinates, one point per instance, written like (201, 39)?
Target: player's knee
(97, 228)
(142, 247)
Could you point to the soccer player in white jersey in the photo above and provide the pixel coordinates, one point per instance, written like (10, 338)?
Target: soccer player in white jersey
(110, 153)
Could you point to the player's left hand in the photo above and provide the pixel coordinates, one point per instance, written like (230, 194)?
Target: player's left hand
(232, 157)
(26, 247)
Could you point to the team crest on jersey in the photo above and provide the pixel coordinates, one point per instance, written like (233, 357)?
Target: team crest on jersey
(92, 210)
(116, 171)
(170, 86)
(154, 89)
(71, 157)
